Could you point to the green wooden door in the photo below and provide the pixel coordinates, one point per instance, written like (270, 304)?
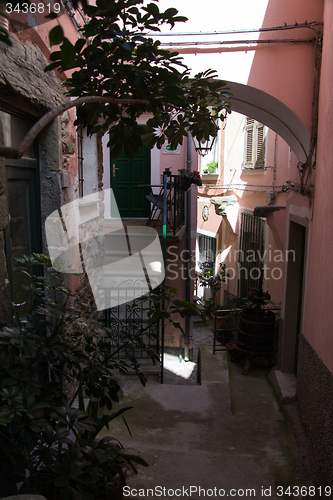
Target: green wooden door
(125, 178)
(23, 233)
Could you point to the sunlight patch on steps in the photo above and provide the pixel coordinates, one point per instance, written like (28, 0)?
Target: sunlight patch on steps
(179, 367)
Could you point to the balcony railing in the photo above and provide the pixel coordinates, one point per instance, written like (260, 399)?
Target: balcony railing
(172, 199)
(178, 205)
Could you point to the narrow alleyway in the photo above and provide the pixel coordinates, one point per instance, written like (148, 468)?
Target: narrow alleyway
(225, 437)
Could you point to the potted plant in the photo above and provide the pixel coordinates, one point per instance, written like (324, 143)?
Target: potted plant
(189, 177)
(208, 278)
(211, 167)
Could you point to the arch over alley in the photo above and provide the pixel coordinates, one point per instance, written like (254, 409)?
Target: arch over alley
(273, 113)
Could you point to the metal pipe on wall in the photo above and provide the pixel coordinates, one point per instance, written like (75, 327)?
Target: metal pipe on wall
(188, 247)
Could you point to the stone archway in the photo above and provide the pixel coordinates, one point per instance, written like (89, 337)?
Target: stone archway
(273, 113)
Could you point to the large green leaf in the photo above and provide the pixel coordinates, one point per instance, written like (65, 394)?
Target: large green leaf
(68, 54)
(56, 35)
(117, 57)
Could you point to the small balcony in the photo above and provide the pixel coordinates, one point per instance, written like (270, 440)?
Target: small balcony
(167, 205)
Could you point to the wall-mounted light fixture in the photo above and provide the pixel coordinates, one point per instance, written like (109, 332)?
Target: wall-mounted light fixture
(204, 146)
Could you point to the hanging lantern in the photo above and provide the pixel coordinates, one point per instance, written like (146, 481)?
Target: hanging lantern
(203, 147)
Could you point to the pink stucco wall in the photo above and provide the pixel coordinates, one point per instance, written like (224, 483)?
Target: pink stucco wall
(39, 35)
(250, 188)
(283, 70)
(286, 72)
(318, 316)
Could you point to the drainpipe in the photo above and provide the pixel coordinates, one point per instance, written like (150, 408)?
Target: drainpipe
(165, 186)
(188, 247)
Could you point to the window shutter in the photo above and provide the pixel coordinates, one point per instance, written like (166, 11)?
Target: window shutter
(249, 145)
(249, 141)
(254, 153)
(260, 146)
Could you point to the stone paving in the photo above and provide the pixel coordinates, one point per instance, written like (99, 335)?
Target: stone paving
(225, 437)
(178, 371)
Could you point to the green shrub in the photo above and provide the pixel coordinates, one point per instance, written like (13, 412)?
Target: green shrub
(49, 443)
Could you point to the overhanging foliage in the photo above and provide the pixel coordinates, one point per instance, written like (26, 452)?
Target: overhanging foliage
(116, 57)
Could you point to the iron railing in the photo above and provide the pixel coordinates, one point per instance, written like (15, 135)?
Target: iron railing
(251, 252)
(178, 203)
(172, 198)
(130, 321)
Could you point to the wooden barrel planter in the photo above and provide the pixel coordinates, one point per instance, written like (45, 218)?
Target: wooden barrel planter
(256, 331)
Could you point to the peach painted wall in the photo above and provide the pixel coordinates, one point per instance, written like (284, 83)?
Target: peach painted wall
(250, 189)
(283, 71)
(318, 315)
(286, 72)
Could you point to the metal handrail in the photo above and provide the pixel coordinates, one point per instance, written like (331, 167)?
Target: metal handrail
(231, 311)
(239, 310)
(173, 198)
(178, 203)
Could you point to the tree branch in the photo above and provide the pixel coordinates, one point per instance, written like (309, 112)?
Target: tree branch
(16, 153)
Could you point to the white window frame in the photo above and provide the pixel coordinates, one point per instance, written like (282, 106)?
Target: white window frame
(210, 234)
(213, 155)
(87, 156)
(254, 144)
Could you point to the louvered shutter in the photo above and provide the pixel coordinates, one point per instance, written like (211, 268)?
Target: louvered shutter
(260, 153)
(254, 153)
(249, 142)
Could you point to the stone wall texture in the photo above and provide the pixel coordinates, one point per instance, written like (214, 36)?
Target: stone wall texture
(25, 86)
(315, 404)
(22, 78)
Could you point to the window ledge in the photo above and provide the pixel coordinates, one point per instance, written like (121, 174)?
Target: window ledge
(206, 177)
(254, 171)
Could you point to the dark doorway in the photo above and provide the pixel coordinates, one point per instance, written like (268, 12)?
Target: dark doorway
(23, 234)
(294, 296)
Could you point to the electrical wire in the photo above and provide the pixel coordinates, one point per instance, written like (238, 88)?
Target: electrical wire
(249, 185)
(239, 42)
(233, 32)
(288, 186)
